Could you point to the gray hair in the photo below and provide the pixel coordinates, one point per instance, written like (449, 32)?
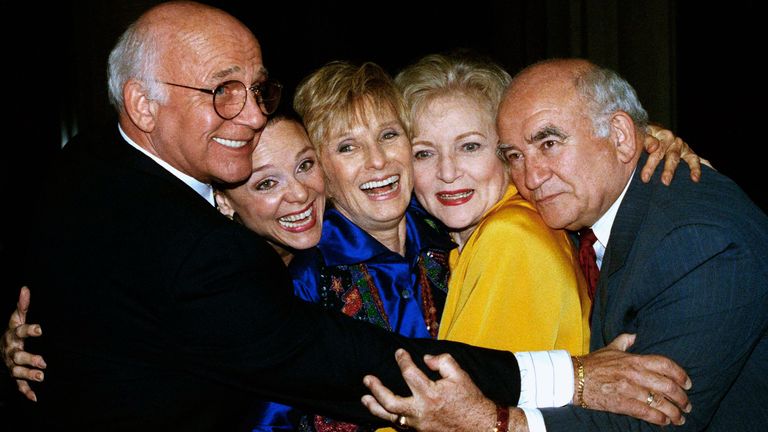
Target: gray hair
(438, 75)
(135, 56)
(605, 92)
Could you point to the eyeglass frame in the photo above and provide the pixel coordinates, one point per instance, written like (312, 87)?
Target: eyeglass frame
(254, 88)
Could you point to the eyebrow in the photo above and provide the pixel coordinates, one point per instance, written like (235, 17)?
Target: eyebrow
(546, 132)
(421, 141)
(470, 133)
(226, 72)
(386, 124)
(305, 150)
(262, 73)
(261, 168)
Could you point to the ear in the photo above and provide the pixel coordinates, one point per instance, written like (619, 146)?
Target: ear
(624, 136)
(140, 108)
(223, 204)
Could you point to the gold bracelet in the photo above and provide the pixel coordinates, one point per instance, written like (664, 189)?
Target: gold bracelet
(580, 383)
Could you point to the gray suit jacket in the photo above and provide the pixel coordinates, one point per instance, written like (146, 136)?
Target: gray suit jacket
(686, 269)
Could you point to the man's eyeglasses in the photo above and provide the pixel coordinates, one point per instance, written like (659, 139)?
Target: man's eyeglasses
(229, 97)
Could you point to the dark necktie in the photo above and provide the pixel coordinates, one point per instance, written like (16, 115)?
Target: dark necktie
(588, 259)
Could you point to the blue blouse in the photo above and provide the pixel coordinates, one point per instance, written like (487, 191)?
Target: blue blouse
(350, 271)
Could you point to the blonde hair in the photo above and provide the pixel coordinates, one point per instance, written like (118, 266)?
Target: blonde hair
(340, 95)
(439, 75)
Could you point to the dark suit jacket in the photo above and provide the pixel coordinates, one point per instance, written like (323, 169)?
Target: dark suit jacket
(161, 314)
(686, 268)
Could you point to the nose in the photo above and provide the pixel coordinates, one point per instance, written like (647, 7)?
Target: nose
(297, 192)
(376, 159)
(447, 171)
(536, 172)
(251, 115)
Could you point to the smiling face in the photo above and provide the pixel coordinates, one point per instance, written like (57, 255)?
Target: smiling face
(284, 198)
(203, 50)
(458, 175)
(368, 170)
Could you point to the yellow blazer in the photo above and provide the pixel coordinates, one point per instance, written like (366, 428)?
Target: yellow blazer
(517, 285)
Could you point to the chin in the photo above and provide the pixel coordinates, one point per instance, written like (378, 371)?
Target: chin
(554, 221)
(301, 244)
(456, 220)
(232, 176)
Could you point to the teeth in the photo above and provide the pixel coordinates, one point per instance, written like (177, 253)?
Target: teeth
(291, 221)
(455, 196)
(230, 143)
(378, 184)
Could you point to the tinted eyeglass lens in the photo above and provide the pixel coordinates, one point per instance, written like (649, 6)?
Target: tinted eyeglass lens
(269, 96)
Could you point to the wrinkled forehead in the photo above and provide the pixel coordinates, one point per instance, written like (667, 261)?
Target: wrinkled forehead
(213, 54)
(522, 104)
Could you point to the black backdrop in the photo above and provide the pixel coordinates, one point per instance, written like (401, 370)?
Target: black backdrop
(692, 65)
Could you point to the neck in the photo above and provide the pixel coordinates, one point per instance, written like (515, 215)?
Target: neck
(392, 238)
(285, 254)
(461, 237)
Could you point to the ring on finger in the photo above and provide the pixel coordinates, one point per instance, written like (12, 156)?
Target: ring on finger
(651, 398)
(401, 421)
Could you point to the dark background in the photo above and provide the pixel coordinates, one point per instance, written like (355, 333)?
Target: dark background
(692, 65)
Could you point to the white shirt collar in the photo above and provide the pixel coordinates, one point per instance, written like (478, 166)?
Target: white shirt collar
(202, 189)
(602, 228)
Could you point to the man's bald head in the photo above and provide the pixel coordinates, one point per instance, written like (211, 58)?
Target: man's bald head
(142, 48)
(165, 74)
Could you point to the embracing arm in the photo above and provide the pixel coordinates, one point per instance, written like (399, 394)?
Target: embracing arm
(455, 403)
(236, 321)
(287, 350)
(701, 275)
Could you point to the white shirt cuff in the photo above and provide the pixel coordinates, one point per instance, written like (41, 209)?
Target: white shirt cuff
(546, 379)
(535, 420)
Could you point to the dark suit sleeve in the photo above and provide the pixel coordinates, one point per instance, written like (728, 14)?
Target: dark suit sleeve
(700, 297)
(238, 323)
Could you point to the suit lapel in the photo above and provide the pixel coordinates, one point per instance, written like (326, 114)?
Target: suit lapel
(132, 158)
(629, 218)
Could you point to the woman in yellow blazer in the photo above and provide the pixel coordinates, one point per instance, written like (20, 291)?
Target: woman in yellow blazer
(515, 283)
